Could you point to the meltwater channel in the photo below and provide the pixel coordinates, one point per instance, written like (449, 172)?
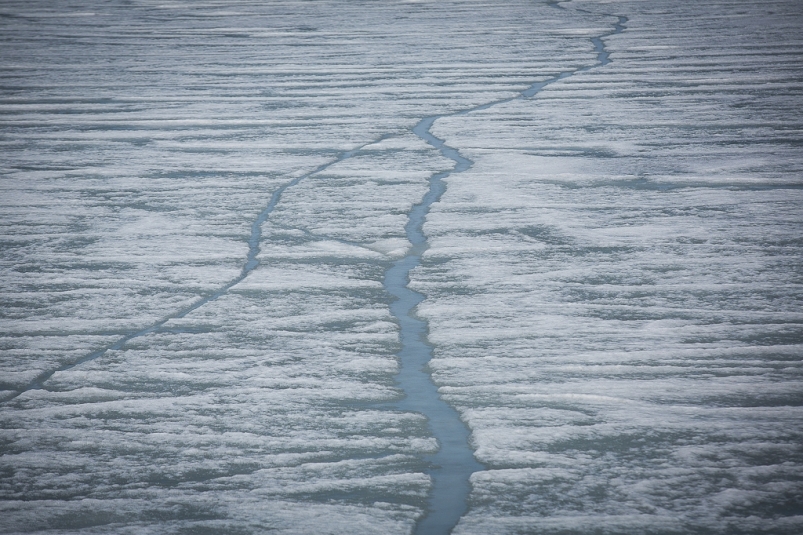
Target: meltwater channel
(454, 462)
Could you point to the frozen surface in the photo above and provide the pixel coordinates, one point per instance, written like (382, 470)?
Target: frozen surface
(613, 289)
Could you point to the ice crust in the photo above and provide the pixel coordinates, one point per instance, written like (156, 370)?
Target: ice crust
(612, 290)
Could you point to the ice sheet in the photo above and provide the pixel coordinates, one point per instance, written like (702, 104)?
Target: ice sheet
(612, 289)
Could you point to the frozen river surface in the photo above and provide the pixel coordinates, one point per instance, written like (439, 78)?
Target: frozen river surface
(345, 267)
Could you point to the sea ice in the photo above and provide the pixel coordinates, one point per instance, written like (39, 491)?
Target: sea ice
(612, 290)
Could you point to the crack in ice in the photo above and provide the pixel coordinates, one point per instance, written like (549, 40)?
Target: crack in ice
(454, 462)
(251, 263)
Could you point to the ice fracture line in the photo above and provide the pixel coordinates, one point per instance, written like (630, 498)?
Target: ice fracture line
(454, 462)
(250, 264)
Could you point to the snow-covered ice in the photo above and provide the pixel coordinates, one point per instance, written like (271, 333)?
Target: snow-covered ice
(612, 290)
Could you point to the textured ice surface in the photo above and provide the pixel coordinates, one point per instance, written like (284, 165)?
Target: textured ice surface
(613, 289)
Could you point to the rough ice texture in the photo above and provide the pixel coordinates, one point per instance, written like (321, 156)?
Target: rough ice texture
(613, 290)
(140, 141)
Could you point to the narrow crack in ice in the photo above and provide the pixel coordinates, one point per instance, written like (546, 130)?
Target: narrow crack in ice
(454, 462)
(251, 263)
